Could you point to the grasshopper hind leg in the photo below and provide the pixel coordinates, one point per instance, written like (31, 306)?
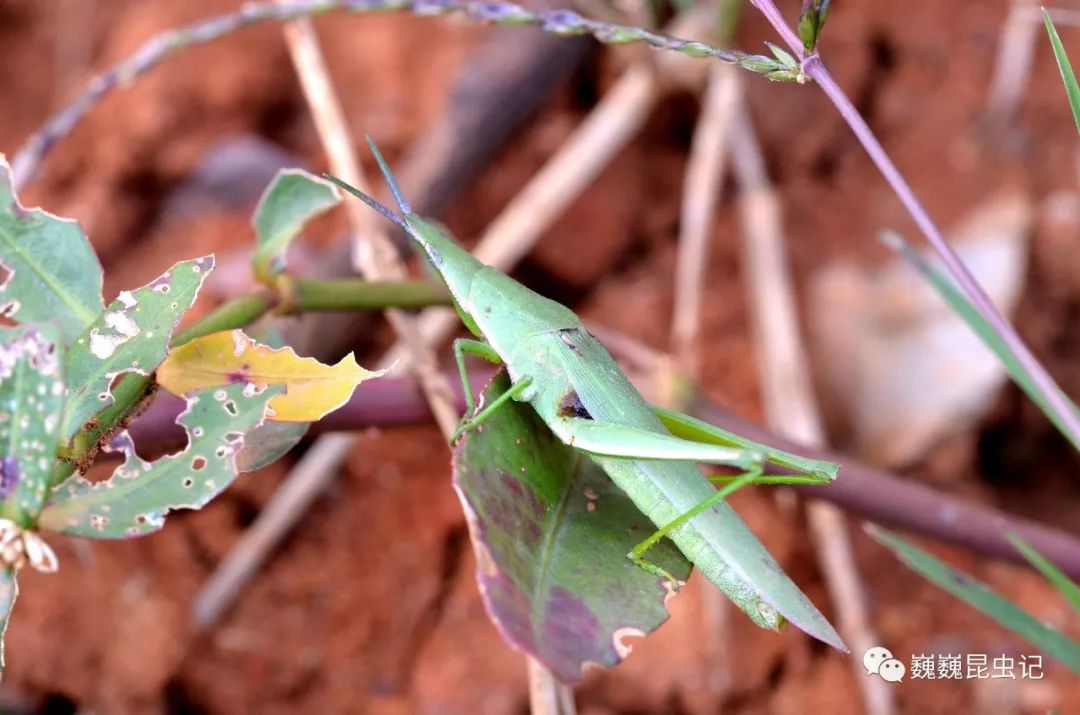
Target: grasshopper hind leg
(637, 554)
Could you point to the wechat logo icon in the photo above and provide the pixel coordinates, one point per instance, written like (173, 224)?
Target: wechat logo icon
(880, 662)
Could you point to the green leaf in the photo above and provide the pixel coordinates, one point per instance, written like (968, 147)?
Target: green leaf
(811, 22)
(979, 596)
(1072, 89)
(31, 399)
(53, 274)
(9, 591)
(783, 56)
(131, 336)
(964, 308)
(551, 534)
(138, 495)
(291, 200)
(1057, 578)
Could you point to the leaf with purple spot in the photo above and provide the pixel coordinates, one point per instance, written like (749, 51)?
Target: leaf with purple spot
(50, 271)
(292, 199)
(31, 399)
(271, 440)
(132, 335)
(138, 495)
(551, 535)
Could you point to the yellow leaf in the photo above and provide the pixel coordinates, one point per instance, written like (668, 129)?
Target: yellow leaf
(312, 389)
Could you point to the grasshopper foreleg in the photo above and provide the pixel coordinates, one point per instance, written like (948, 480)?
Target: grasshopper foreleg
(467, 423)
(479, 349)
(637, 554)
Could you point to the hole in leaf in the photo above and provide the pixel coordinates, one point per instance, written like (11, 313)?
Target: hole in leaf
(188, 482)
(199, 463)
(230, 407)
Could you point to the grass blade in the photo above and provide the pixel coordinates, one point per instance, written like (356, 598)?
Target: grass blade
(1067, 76)
(1057, 578)
(979, 596)
(963, 307)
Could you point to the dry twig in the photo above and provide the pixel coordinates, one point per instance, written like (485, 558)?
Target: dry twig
(788, 396)
(379, 262)
(1016, 53)
(704, 174)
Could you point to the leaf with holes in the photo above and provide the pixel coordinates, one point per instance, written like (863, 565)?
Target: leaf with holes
(51, 272)
(131, 336)
(291, 200)
(551, 535)
(269, 441)
(228, 357)
(31, 399)
(9, 591)
(138, 495)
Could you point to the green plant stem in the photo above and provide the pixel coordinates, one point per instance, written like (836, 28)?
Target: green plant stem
(236, 313)
(314, 295)
(298, 295)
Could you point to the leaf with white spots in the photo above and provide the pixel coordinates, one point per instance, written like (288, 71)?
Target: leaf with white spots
(9, 590)
(131, 336)
(228, 357)
(31, 398)
(138, 495)
(291, 200)
(269, 441)
(50, 270)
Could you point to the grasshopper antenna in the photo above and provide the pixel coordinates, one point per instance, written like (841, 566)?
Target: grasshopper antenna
(366, 199)
(403, 205)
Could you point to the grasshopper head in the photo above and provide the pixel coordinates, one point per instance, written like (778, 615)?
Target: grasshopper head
(455, 265)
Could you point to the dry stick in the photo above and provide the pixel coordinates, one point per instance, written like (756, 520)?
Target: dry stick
(608, 128)
(864, 490)
(319, 465)
(788, 395)
(616, 119)
(1067, 418)
(704, 172)
(1016, 53)
(701, 187)
(376, 258)
(503, 83)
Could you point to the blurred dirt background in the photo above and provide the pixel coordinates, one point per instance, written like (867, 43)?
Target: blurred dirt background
(372, 606)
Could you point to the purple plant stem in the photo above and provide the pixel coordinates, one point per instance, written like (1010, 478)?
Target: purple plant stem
(861, 490)
(814, 68)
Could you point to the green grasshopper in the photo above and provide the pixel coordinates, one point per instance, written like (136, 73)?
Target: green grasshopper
(579, 391)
